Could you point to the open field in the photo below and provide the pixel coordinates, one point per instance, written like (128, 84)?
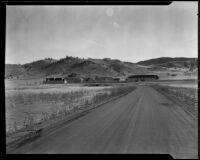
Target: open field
(29, 104)
(188, 97)
(193, 83)
(22, 83)
(128, 124)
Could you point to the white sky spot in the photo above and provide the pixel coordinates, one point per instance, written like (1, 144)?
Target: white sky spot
(116, 25)
(109, 12)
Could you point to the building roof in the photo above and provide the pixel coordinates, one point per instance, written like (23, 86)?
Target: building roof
(138, 76)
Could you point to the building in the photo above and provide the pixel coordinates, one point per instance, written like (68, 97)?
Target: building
(116, 79)
(122, 79)
(89, 79)
(104, 79)
(74, 80)
(135, 78)
(55, 80)
(99, 79)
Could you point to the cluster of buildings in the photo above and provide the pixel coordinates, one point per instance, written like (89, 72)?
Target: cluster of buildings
(75, 78)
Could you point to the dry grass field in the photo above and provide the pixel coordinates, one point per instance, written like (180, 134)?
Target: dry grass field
(188, 97)
(27, 105)
(181, 83)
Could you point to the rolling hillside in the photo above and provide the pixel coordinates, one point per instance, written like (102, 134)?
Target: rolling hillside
(68, 65)
(92, 67)
(167, 62)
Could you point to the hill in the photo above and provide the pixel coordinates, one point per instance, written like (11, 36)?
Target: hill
(14, 70)
(68, 65)
(168, 62)
(100, 67)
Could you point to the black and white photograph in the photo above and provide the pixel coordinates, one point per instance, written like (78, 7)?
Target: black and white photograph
(102, 79)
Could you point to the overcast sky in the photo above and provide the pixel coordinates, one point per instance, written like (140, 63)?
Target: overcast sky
(128, 33)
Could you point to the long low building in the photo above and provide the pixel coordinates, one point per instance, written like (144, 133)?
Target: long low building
(52, 80)
(136, 78)
(100, 79)
(62, 80)
(96, 79)
(74, 80)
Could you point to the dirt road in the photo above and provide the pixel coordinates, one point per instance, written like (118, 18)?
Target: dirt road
(143, 121)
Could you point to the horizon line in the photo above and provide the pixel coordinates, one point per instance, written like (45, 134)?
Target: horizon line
(93, 58)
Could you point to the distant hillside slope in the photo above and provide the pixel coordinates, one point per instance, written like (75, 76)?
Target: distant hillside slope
(38, 67)
(14, 70)
(167, 62)
(68, 65)
(92, 67)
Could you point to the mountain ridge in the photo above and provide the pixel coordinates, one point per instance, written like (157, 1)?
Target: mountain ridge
(91, 67)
